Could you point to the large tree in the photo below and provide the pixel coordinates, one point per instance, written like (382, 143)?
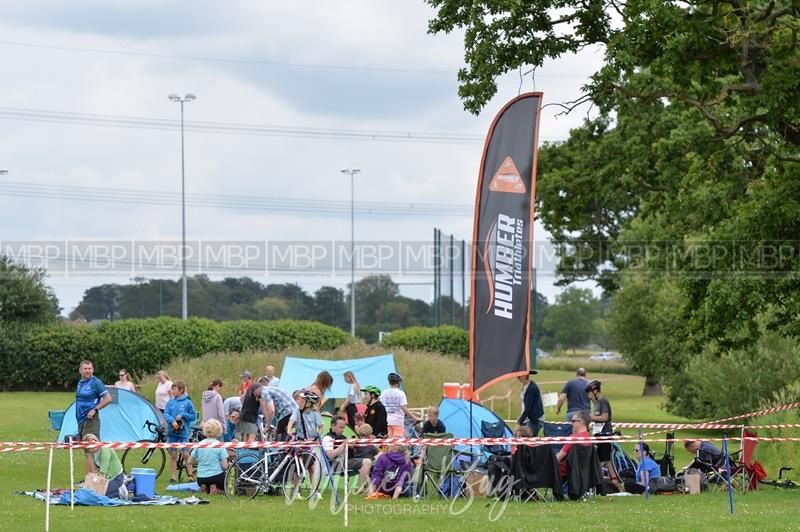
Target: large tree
(689, 168)
(571, 320)
(23, 295)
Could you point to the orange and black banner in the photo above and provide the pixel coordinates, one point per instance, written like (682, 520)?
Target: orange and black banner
(500, 305)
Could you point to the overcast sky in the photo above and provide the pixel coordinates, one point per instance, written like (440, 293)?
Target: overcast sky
(346, 65)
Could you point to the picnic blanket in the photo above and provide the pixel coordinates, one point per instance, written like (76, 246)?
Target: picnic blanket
(85, 497)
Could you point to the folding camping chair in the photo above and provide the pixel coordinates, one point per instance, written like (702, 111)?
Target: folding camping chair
(56, 418)
(743, 466)
(534, 474)
(667, 460)
(584, 476)
(557, 430)
(438, 468)
(495, 429)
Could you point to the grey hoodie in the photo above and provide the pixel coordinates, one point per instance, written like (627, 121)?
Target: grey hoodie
(212, 407)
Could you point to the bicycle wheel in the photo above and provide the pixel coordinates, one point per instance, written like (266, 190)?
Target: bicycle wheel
(302, 475)
(244, 478)
(149, 458)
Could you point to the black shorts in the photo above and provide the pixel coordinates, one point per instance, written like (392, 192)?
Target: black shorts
(216, 480)
(280, 428)
(604, 452)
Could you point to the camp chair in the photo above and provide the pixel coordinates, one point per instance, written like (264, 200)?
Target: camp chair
(56, 418)
(667, 460)
(437, 468)
(743, 465)
(584, 475)
(495, 429)
(556, 430)
(534, 471)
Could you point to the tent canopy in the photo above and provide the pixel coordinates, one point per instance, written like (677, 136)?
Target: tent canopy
(301, 372)
(122, 420)
(455, 415)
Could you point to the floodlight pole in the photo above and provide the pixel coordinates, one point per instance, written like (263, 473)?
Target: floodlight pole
(184, 293)
(352, 172)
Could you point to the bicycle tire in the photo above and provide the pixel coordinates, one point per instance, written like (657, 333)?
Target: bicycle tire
(302, 484)
(133, 458)
(235, 487)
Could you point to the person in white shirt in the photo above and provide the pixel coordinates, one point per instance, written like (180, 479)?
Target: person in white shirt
(269, 373)
(163, 390)
(396, 404)
(353, 398)
(124, 381)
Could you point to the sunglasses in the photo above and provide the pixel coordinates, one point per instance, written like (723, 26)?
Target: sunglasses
(123, 374)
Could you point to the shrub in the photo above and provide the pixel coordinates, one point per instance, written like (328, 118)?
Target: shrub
(241, 336)
(446, 339)
(46, 357)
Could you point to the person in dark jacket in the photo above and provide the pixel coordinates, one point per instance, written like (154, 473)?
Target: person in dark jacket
(532, 414)
(375, 415)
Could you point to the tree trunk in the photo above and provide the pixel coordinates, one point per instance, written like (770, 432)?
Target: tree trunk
(652, 387)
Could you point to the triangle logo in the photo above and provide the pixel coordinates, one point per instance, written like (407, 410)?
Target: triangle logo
(507, 178)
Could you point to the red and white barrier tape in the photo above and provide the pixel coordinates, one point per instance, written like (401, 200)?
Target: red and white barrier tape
(372, 441)
(718, 424)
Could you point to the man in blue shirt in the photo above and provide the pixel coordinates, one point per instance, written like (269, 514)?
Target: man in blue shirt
(91, 396)
(574, 393)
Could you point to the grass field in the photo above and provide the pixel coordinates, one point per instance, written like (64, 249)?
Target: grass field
(24, 417)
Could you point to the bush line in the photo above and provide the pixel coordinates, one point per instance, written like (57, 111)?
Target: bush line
(46, 357)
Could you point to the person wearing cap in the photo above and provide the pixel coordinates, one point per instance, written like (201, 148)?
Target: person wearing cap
(375, 413)
(396, 404)
(532, 414)
(212, 405)
(602, 427)
(247, 382)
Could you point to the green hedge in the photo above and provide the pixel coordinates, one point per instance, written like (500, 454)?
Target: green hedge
(47, 357)
(445, 339)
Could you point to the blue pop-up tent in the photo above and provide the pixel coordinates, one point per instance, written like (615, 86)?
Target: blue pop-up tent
(122, 420)
(455, 414)
(301, 372)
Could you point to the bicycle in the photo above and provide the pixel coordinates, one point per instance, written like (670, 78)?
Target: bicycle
(295, 471)
(781, 483)
(156, 458)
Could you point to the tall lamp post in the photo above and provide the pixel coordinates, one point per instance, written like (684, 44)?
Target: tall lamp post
(352, 172)
(184, 296)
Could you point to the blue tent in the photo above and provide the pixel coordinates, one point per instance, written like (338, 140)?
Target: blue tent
(300, 372)
(455, 413)
(122, 420)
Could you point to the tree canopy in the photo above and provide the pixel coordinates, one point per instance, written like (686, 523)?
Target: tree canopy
(689, 167)
(24, 298)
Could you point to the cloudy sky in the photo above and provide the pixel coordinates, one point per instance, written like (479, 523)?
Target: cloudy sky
(285, 93)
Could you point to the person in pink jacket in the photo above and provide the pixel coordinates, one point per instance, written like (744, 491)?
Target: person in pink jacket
(212, 403)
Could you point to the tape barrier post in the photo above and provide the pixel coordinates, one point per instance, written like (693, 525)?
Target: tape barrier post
(346, 484)
(71, 478)
(641, 461)
(47, 493)
(330, 470)
(728, 470)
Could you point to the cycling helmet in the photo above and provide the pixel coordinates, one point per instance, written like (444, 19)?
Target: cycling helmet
(394, 378)
(593, 386)
(311, 397)
(371, 389)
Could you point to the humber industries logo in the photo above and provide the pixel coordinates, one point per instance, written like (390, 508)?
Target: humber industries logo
(502, 262)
